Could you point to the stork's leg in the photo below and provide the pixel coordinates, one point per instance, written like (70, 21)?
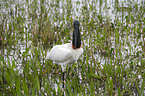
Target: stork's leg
(63, 79)
(68, 72)
(63, 82)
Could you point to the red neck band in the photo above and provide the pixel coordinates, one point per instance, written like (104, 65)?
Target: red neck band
(74, 47)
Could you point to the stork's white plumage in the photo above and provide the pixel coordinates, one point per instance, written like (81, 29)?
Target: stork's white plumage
(64, 54)
(67, 53)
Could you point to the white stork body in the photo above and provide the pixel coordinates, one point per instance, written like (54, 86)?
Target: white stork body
(64, 54)
(67, 53)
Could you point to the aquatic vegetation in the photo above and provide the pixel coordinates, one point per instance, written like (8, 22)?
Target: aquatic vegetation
(112, 33)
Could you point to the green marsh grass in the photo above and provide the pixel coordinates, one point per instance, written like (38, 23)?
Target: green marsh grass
(112, 38)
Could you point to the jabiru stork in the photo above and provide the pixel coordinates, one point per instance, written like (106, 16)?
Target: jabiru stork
(67, 53)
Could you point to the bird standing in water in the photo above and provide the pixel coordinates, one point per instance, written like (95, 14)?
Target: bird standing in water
(67, 53)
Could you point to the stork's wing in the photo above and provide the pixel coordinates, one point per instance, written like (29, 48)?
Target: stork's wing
(59, 54)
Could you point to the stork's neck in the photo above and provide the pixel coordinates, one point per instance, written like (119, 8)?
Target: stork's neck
(74, 47)
(76, 42)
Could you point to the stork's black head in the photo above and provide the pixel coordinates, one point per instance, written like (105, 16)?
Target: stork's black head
(76, 43)
(76, 22)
